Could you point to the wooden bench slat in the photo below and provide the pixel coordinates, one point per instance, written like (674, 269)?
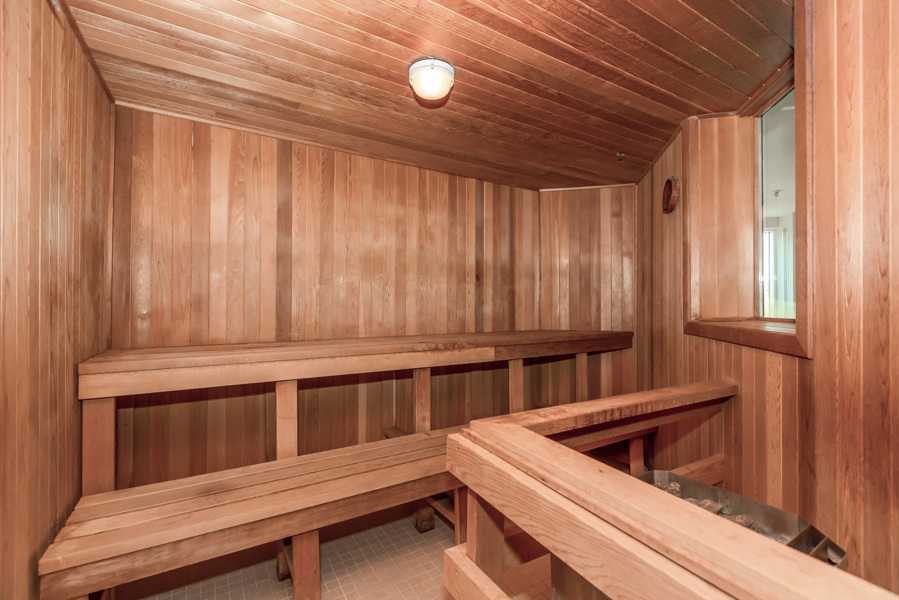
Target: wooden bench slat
(102, 385)
(119, 536)
(172, 529)
(168, 492)
(140, 359)
(126, 372)
(244, 495)
(114, 361)
(83, 579)
(556, 419)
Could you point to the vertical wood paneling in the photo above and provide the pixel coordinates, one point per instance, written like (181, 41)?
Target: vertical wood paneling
(753, 431)
(889, 410)
(721, 230)
(287, 241)
(855, 136)
(56, 163)
(816, 436)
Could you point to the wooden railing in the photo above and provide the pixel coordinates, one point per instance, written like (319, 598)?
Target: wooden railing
(611, 535)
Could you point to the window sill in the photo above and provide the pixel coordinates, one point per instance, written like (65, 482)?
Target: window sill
(774, 336)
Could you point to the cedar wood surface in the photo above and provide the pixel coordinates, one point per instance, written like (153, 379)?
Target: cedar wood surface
(546, 93)
(826, 427)
(816, 437)
(55, 223)
(502, 460)
(120, 536)
(243, 238)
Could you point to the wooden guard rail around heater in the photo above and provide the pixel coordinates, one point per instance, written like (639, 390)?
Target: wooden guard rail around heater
(129, 534)
(610, 534)
(141, 371)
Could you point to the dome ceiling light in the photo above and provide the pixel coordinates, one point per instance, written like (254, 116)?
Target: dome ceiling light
(431, 78)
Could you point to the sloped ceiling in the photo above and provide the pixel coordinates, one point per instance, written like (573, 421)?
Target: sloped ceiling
(547, 91)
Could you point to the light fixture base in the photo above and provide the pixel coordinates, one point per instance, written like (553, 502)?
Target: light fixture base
(431, 78)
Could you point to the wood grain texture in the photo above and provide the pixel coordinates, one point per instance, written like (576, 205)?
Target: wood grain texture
(757, 431)
(545, 93)
(816, 437)
(464, 580)
(197, 518)
(98, 453)
(567, 584)
(606, 556)
(484, 537)
(306, 566)
(286, 428)
(361, 248)
(56, 164)
(737, 562)
(722, 216)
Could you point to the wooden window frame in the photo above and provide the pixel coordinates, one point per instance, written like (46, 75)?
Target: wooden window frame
(784, 336)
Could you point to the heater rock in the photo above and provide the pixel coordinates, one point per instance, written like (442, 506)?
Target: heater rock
(709, 505)
(744, 520)
(672, 488)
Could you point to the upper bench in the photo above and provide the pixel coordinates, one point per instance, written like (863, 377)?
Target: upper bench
(151, 370)
(142, 371)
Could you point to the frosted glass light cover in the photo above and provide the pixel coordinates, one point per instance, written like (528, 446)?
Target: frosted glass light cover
(431, 78)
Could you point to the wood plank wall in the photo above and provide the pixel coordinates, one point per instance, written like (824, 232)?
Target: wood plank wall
(226, 236)
(55, 244)
(764, 431)
(722, 225)
(819, 437)
(853, 470)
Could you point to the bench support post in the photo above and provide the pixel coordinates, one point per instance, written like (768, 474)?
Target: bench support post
(460, 508)
(286, 419)
(568, 584)
(516, 385)
(306, 568)
(581, 378)
(97, 446)
(421, 390)
(636, 455)
(485, 537)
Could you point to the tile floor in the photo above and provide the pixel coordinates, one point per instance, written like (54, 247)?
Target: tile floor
(389, 562)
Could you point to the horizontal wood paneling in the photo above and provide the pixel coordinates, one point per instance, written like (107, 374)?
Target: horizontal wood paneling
(546, 93)
(55, 242)
(225, 236)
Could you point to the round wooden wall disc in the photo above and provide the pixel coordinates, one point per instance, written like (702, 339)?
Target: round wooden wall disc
(670, 194)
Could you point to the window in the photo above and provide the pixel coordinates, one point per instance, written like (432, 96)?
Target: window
(777, 203)
(746, 224)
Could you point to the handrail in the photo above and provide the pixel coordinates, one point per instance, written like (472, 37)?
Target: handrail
(622, 535)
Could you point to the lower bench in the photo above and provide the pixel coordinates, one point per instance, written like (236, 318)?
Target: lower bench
(125, 535)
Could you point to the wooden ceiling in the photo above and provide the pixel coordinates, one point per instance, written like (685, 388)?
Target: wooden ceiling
(547, 91)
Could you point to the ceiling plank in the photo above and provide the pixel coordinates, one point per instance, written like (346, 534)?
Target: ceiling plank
(277, 61)
(625, 53)
(547, 92)
(367, 120)
(317, 131)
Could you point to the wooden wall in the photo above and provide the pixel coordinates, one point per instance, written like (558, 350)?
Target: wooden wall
(853, 472)
(225, 236)
(821, 436)
(55, 225)
(721, 188)
(763, 419)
